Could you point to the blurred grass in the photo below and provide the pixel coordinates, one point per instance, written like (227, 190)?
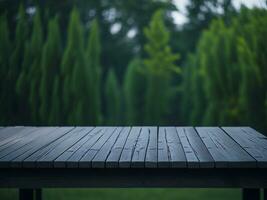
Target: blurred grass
(131, 194)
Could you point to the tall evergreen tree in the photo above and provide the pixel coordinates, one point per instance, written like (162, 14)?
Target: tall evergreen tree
(16, 59)
(19, 43)
(4, 66)
(224, 53)
(250, 91)
(50, 68)
(188, 80)
(134, 93)
(35, 67)
(159, 66)
(27, 85)
(56, 99)
(94, 72)
(75, 77)
(112, 99)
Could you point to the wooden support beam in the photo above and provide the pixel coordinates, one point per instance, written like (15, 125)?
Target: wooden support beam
(38, 194)
(251, 194)
(25, 194)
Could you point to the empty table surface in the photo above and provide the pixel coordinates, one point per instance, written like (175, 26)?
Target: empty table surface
(132, 147)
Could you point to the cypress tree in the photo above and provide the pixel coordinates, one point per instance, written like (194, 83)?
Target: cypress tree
(50, 68)
(112, 99)
(254, 32)
(27, 85)
(55, 114)
(4, 66)
(159, 66)
(19, 44)
(94, 72)
(223, 54)
(187, 93)
(22, 87)
(16, 60)
(74, 75)
(134, 92)
(251, 84)
(35, 67)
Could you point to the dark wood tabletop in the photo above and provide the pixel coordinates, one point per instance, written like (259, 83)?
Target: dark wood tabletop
(132, 157)
(132, 147)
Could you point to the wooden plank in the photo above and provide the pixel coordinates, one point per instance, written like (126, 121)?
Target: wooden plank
(60, 162)
(14, 149)
(151, 160)
(175, 150)
(224, 150)
(252, 141)
(38, 144)
(127, 152)
(47, 160)
(191, 158)
(16, 138)
(139, 154)
(193, 144)
(7, 132)
(100, 158)
(130, 178)
(115, 153)
(163, 155)
(31, 161)
(73, 161)
(86, 160)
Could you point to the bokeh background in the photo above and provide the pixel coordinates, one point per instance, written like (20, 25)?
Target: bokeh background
(134, 62)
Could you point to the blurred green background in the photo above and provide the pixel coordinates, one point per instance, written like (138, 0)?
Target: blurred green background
(134, 62)
(132, 194)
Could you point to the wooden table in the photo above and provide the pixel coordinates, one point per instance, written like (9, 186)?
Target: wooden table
(32, 158)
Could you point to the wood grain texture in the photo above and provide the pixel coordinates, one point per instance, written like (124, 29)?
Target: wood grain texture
(32, 160)
(115, 153)
(128, 150)
(60, 161)
(170, 150)
(151, 160)
(196, 152)
(252, 141)
(86, 160)
(225, 151)
(99, 160)
(132, 147)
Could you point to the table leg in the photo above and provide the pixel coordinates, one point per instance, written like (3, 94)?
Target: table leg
(265, 193)
(38, 194)
(251, 194)
(25, 194)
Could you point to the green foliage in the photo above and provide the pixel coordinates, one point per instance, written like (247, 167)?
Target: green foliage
(250, 91)
(134, 93)
(4, 66)
(27, 85)
(228, 82)
(36, 46)
(55, 114)
(159, 67)
(50, 69)
(16, 60)
(94, 73)
(113, 99)
(19, 43)
(224, 82)
(74, 76)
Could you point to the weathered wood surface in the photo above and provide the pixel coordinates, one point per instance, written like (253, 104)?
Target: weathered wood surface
(132, 147)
